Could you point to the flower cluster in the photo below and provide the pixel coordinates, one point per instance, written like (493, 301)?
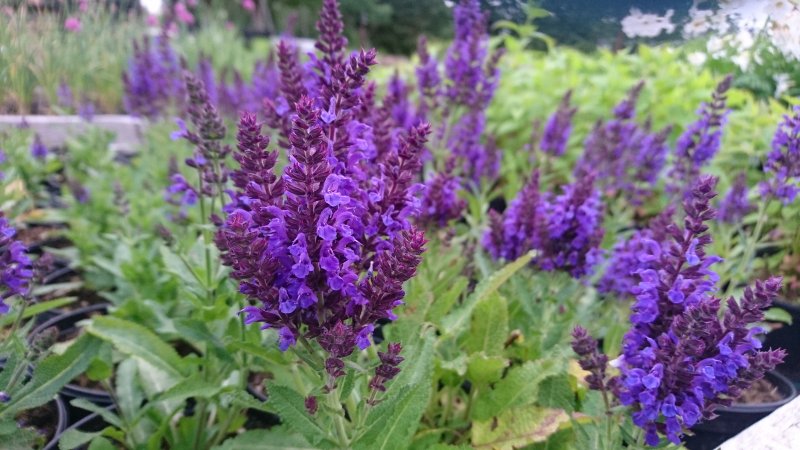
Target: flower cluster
(16, 267)
(457, 99)
(627, 157)
(783, 161)
(153, 78)
(700, 142)
(624, 265)
(566, 229)
(154, 82)
(299, 251)
(324, 249)
(574, 229)
(209, 155)
(38, 149)
(734, 206)
(558, 128)
(682, 358)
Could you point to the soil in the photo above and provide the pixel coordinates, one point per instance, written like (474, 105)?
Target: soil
(43, 419)
(39, 235)
(762, 391)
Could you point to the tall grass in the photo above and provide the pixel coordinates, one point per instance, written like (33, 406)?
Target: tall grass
(37, 54)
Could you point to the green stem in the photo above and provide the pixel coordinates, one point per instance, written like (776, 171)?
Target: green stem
(15, 326)
(750, 248)
(338, 419)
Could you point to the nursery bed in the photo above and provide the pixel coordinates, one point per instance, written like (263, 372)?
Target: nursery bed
(55, 130)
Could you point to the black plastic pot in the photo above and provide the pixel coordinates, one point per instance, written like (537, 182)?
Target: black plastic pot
(256, 418)
(787, 337)
(66, 324)
(88, 424)
(62, 418)
(63, 421)
(734, 419)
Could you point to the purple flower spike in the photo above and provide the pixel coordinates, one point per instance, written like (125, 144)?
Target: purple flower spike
(558, 128)
(734, 206)
(698, 145)
(682, 357)
(783, 162)
(15, 265)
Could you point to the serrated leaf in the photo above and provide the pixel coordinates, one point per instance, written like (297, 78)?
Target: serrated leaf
(135, 340)
(398, 420)
(519, 387)
(456, 322)
(556, 392)
(517, 427)
(291, 407)
(278, 438)
(489, 328)
(52, 374)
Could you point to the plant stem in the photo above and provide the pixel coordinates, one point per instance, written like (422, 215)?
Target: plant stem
(750, 248)
(338, 418)
(15, 326)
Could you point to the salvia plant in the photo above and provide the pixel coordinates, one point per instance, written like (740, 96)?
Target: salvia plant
(316, 260)
(685, 353)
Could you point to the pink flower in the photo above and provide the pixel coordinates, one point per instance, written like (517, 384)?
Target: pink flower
(152, 20)
(191, 3)
(249, 5)
(72, 24)
(183, 14)
(83, 5)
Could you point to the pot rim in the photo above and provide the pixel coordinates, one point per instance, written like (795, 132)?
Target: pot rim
(777, 379)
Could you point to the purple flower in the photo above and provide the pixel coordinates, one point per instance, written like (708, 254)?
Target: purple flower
(152, 81)
(783, 161)
(700, 142)
(518, 230)
(558, 128)
(634, 255)
(16, 269)
(388, 368)
(734, 206)
(38, 149)
(682, 358)
(441, 202)
(573, 229)
(299, 250)
(627, 157)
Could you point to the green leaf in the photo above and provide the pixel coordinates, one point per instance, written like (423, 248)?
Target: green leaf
(519, 387)
(107, 415)
(778, 315)
(101, 443)
(393, 422)
(134, 339)
(489, 327)
(193, 386)
(52, 374)
(483, 369)
(517, 427)
(196, 332)
(444, 302)
(291, 407)
(456, 322)
(277, 438)
(612, 342)
(37, 308)
(398, 420)
(556, 392)
(74, 438)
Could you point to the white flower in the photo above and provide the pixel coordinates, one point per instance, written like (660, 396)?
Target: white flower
(638, 24)
(779, 9)
(696, 58)
(742, 60)
(715, 46)
(782, 83)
